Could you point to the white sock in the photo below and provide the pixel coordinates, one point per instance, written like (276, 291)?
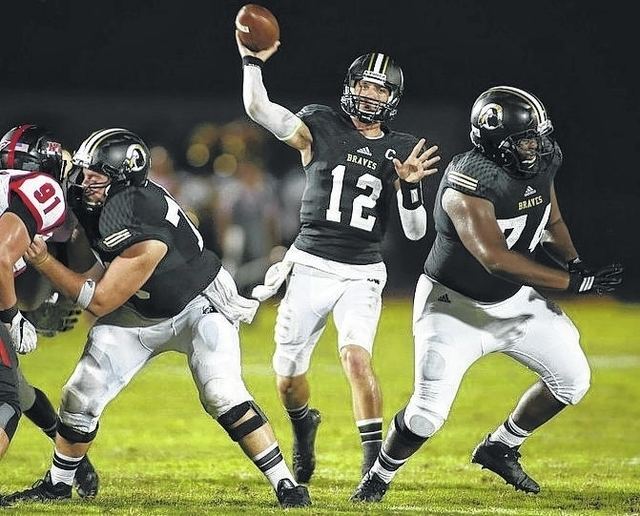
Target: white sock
(509, 433)
(386, 467)
(64, 468)
(271, 462)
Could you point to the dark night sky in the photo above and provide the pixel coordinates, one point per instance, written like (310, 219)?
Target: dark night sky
(577, 56)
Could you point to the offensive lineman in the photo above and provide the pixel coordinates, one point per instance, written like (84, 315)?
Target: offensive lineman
(353, 167)
(476, 296)
(154, 288)
(31, 202)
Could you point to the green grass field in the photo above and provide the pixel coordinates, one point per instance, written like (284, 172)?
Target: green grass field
(159, 453)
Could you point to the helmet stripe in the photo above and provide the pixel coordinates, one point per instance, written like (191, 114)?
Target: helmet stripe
(371, 62)
(378, 65)
(14, 141)
(87, 147)
(386, 63)
(531, 99)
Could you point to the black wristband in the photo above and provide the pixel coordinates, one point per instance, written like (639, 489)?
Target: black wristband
(6, 316)
(252, 61)
(411, 194)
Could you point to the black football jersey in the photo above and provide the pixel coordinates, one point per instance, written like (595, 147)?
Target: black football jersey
(349, 189)
(522, 207)
(134, 214)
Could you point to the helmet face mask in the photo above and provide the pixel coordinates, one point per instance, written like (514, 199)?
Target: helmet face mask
(31, 148)
(378, 69)
(118, 154)
(510, 126)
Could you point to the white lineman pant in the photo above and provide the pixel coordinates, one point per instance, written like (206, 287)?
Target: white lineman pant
(452, 331)
(311, 296)
(121, 343)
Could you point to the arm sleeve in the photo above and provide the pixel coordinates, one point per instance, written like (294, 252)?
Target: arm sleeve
(19, 208)
(277, 119)
(413, 221)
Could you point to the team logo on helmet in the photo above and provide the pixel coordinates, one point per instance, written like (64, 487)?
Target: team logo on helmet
(491, 116)
(135, 159)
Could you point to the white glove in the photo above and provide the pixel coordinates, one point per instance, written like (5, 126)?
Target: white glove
(23, 334)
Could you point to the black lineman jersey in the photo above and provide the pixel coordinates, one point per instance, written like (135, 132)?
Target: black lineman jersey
(349, 189)
(134, 214)
(522, 208)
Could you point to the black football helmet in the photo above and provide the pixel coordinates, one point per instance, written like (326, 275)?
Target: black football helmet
(501, 117)
(29, 147)
(378, 69)
(119, 154)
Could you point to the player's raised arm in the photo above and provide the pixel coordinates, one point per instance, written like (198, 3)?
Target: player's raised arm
(281, 122)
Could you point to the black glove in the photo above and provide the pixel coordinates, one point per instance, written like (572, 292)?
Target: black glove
(600, 281)
(56, 314)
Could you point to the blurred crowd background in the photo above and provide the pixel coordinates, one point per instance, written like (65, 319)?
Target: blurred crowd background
(171, 73)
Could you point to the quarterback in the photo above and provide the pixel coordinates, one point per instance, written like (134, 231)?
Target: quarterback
(356, 168)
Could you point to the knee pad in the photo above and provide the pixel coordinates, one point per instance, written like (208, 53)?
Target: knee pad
(75, 411)
(406, 434)
(229, 419)
(220, 395)
(421, 421)
(9, 417)
(571, 393)
(76, 436)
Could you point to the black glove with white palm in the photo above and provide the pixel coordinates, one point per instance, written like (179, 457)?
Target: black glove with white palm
(584, 279)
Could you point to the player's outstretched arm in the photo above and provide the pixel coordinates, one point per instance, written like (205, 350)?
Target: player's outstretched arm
(281, 122)
(121, 280)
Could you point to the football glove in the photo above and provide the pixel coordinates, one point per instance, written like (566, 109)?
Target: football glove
(23, 334)
(583, 280)
(56, 314)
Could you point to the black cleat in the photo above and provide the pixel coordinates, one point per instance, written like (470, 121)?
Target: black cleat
(304, 439)
(41, 491)
(503, 461)
(292, 496)
(86, 480)
(370, 489)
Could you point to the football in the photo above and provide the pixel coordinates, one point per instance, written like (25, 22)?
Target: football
(257, 27)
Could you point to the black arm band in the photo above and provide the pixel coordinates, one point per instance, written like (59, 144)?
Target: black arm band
(6, 316)
(411, 194)
(252, 61)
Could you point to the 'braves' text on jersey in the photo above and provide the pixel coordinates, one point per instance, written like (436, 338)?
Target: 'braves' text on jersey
(137, 213)
(522, 207)
(345, 205)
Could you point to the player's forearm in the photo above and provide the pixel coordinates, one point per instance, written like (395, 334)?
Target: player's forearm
(277, 119)
(513, 266)
(413, 216)
(63, 278)
(7, 287)
(557, 242)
